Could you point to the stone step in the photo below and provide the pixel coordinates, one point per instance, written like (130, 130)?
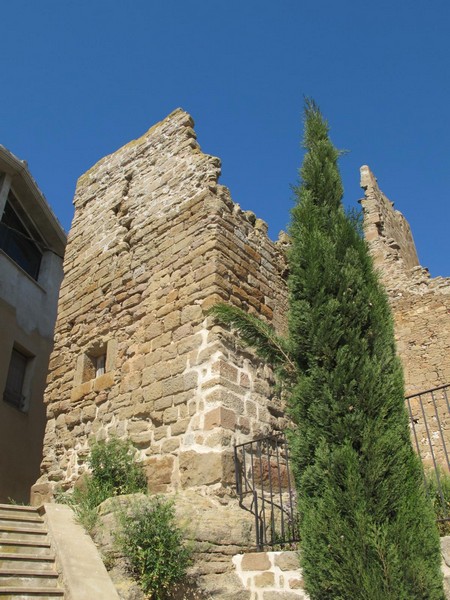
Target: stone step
(16, 510)
(22, 533)
(19, 521)
(14, 545)
(14, 515)
(25, 593)
(19, 508)
(27, 561)
(29, 577)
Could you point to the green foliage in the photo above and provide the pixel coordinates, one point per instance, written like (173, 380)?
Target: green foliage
(114, 472)
(367, 528)
(153, 544)
(114, 468)
(439, 493)
(259, 335)
(148, 535)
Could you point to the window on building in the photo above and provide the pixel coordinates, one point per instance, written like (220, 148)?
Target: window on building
(14, 389)
(94, 364)
(19, 238)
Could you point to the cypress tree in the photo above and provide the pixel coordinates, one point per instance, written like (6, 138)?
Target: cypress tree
(367, 528)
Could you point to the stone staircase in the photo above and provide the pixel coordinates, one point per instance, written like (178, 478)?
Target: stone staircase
(27, 562)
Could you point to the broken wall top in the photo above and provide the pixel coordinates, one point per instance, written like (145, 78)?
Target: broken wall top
(420, 304)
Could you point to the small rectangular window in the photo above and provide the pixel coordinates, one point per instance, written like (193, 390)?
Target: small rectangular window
(13, 393)
(94, 363)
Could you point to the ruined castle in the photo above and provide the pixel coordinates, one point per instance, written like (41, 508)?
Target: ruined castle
(154, 243)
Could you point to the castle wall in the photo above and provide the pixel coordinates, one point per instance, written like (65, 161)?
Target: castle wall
(154, 243)
(421, 311)
(420, 304)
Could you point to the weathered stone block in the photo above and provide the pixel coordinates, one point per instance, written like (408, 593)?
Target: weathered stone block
(170, 415)
(159, 473)
(205, 468)
(180, 426)
(104, 381)
(296, 583)
(220, 417)
(81, 390)
(226, 370)
(255, 561)
(287, 561)
(266, 579)
(170, 445)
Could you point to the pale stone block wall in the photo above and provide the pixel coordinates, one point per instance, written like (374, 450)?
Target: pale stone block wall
(154, 243)
(270, 575)
(277, 575)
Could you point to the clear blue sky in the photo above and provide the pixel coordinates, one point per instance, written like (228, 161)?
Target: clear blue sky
(81, 78)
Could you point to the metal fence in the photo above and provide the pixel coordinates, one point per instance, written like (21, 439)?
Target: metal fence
(429, 414)
(264, 486)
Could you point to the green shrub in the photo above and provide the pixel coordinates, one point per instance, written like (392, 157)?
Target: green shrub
(114, 468)
(440, 499)
(114, 472)
(153, 544)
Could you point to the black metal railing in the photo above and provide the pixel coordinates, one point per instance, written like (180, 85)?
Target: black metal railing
(429, 413)
(264, 486)
(264, 482)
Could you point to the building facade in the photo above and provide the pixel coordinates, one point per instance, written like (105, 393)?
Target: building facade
(32, 245)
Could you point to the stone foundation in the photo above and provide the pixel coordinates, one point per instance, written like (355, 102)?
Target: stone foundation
(270, 575)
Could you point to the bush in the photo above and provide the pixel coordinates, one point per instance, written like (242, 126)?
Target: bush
(114, 468)
(153, 545)
(114, 472)
(440, 499)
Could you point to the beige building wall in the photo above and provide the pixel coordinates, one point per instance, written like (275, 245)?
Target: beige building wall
(27, 317)
(21, 433)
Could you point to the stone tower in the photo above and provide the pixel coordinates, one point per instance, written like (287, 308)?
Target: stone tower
(155, 241)
(420, 304)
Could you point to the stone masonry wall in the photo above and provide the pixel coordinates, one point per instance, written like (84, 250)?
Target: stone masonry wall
(277, 575)
(156, 241)
(270, 575)
(420, 304)
(421, 311)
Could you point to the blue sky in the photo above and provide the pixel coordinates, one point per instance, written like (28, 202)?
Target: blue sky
(80, 79)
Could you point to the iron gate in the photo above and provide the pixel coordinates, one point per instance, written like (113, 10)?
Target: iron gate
(264, 486)
(429, 414)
